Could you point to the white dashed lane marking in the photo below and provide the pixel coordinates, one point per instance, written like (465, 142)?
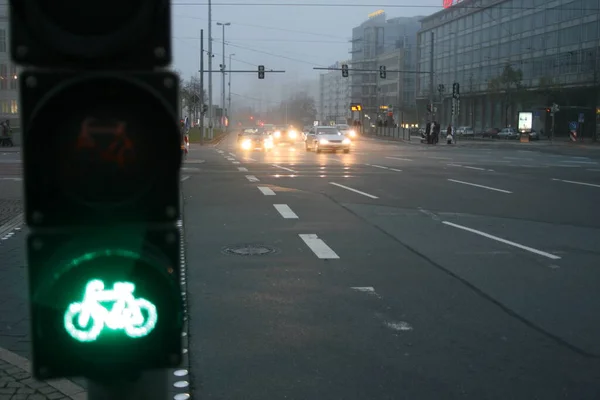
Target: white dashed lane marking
(285, 211)
(252, 178)
(318, 246)
(266, 191)
(479, 186)
(578, 183)
(354, 190)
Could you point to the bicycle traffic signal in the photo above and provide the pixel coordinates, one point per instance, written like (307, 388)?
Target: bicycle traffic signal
(382, 73)
(101, 186)
(345, 70)
(261, 72)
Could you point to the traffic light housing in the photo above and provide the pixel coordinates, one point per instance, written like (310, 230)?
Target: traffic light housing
(101, 162)
(345, 70)
(382, 73)
(261, 72)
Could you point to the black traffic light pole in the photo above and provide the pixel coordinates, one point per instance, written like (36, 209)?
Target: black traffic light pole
(102, 195)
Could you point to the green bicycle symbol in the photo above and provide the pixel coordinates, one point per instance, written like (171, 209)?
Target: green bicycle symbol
(85, 320)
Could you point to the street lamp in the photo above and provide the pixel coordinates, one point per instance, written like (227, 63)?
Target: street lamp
(229, 97)
(223, 24)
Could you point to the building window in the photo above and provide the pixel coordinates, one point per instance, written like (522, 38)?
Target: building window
(2, 40)
(5, 107)
(14, 107)
(3, 76)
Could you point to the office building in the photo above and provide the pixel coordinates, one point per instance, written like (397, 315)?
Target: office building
(9, 95)
(390, 42)
(334, 96)
(510, 56)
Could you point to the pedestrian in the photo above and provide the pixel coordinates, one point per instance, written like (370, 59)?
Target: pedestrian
(449, 134)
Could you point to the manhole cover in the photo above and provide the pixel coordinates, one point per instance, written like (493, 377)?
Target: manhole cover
(249, 250)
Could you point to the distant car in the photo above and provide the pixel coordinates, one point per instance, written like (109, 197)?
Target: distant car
(321, 138)
(347, 130)
(508, 133)
(285, 135)
(256, 140)
(245, 133)
(491, 133)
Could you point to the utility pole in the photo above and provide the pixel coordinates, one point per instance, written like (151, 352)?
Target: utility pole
(229, 97)
(201, 86)
(431, 64)
(210, 56)
(223, 24)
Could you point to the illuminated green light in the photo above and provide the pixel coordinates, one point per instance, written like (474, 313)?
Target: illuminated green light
(86, 320)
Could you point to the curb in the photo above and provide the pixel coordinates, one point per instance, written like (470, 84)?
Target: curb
(64, 386)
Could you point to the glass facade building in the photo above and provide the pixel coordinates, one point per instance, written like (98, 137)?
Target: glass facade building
(334, 96)
(553, 43)
(9, 94)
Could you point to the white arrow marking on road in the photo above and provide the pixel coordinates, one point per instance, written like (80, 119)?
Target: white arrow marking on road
(498, 239)
(285, 211)
(242, 169)
(266, 191)
(287, 169)
(354, 190)
(252, 178)
(480, 186)
(318, 246)
(577, 183)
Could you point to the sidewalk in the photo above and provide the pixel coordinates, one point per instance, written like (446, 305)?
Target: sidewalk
(16, 382)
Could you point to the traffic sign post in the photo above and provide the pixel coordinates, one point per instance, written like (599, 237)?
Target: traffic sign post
(101, 194)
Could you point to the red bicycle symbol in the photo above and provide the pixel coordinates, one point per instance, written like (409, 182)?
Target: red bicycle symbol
(119, 146)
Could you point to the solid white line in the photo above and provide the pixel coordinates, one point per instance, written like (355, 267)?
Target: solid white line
(476, 168)
(185, 178)
(252, 178)
(401, 159)
(232, 154)
(242, 169)
(285, 211)
(487, 235)
(580, 162)
(266, 191)
(11, 179)
(379, 166)
(235, 162)
(287, 169)
(394, 169)
(480, 186)
(578, 183)
(440, 158)
(354, 190)
(318, 246)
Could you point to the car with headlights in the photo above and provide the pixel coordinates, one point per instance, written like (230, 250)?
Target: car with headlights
(347, 130)
(285, 134)
(321, 138)
(256, 140)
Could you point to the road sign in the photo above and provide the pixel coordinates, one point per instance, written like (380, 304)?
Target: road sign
(315, 123)
(572, 126)
(581, 118)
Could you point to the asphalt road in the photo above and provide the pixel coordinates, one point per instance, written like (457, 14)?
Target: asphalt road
(397, 271)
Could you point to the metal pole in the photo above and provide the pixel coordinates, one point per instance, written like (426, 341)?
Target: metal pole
(201, 86)
(223, 81)
(431, 64)
(151, 385)
(210, 56)
(229, 96)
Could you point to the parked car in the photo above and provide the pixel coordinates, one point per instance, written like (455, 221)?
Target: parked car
(490, 133)
(508, 133)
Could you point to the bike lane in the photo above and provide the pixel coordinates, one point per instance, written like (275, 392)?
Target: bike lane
(16, 382)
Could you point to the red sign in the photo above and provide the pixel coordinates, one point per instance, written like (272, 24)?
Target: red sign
(450, 3)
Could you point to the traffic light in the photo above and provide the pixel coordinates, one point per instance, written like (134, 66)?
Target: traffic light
(456, 90)
(101, 186)
(345, 70)
(204, 109)
(382, 73)
(261, 72)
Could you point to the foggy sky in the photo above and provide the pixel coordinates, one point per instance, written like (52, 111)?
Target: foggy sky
(282, 36)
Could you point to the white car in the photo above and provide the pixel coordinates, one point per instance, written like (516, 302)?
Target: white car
(321, 138)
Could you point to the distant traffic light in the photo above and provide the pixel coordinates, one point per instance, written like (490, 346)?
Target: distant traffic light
(101, 186)
(261, 72)
(345, 70)
(382, 73)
